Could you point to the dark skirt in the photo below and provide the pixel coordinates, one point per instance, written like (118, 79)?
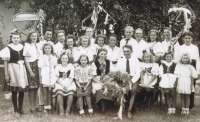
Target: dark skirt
(7, 87)
(87, 92)
(99, 96)
(33, 82)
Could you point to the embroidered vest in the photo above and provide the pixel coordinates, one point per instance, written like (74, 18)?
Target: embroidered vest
(169, 69)
(98, 67)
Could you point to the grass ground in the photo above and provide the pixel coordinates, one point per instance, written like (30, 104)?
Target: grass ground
(155, 114)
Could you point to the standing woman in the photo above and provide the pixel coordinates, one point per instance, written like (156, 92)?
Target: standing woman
(155, 46)
(102, 66)
(168, 41)
(113, 51)
(70, 48)
(15, 72)
(31, 54)
(85, 48)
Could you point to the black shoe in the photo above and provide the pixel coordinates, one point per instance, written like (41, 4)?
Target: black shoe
(33, 111)
(22, 112)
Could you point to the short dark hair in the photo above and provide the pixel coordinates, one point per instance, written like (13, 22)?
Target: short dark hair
(70, 60)
(157, 33)
(188, 34)
(128, 46)
(70, 36)
(100, 50)
(83, 55)
(48, 29)
(103, 36)
(52, 52)
(112, 35)
(59, 31)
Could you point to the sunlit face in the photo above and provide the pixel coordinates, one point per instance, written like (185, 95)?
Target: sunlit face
(84, 42)
(167, 33)
(138, 34)
(70, 42)
(102, 55)
(169, 58)
(15, 39)
(89, 32)
(33, 37)
(64, 59)
(112, 41)
(153, 36)
(83, 61)
(47, 49)
(187, 40)
(147, 58)
(48, 35)
(185, 59)
(100, 41)
(61, 37)
(127, 52)
(128, 33)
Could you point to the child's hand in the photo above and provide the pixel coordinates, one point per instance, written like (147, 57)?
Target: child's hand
(7, 78)
(32, 75)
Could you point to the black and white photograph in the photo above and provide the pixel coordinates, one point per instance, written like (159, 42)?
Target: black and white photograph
(99, 60)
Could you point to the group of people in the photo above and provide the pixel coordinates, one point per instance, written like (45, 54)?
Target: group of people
(73, 68)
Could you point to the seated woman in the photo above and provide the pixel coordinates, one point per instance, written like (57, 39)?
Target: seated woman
(102, 67)
(113, 51)
(149, 73)
(65, 86)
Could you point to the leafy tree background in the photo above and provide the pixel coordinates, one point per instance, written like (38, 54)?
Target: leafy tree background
(145, 14)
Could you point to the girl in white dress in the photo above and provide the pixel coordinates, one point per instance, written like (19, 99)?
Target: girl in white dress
(15, 73)
(83, 76)
(149, 73)
(64, 86)
(186, 74)
(46, 64)
(168, 82)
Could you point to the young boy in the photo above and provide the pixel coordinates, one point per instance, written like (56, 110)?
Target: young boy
(89, 32)
(128, 31)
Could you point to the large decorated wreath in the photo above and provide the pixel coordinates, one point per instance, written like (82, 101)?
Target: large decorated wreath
(118, 83)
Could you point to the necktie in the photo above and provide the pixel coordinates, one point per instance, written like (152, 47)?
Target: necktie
(127, 40)
(127, 66)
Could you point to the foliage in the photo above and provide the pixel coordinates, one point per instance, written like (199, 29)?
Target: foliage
(146, 14)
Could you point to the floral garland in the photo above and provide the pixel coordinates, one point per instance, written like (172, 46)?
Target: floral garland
(118, 83)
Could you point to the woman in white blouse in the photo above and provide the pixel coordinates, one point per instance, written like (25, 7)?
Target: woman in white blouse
(113, 53)
(166, 44)
(31, 54)
(70, 48)
(154, 46)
